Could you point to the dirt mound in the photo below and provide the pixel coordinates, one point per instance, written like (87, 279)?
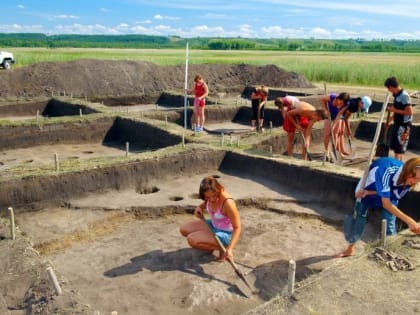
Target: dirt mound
(100, 78)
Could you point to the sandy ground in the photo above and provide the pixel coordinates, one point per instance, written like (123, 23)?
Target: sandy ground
(145, 266)
(119, 262)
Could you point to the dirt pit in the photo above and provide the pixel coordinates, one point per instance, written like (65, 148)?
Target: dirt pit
(114, 242)
(119, 262)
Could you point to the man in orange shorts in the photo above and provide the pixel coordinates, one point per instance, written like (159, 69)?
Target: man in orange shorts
(301, 116)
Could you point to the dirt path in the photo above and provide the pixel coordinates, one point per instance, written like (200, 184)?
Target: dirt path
(131, 265)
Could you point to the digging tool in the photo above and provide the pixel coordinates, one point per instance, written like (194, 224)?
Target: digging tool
(349, 138)
(382, 149)
(306, 146)
(351, 148)
(247, 290)
(354, 224)
(304, 141)
(336, 155)
(350, 145)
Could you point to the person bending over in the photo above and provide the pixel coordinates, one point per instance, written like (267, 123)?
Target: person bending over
(301, 116)
(388, 181)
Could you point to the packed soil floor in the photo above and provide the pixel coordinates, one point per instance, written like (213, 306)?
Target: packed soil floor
(109, 257)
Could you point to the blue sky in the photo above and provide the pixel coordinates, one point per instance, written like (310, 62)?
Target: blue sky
(368, 19)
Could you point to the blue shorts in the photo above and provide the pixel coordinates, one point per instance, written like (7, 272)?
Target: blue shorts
(390, 218)
(224, 236)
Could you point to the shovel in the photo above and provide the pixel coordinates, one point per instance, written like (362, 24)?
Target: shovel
(304, 141)
(354, 224)
(246, 289)
(306, 147)
(382, 150)
(337, 159)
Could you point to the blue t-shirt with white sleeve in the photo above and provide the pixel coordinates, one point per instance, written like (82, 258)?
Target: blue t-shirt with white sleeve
(382, 178)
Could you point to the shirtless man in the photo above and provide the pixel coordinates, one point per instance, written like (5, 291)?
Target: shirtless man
(301, 116)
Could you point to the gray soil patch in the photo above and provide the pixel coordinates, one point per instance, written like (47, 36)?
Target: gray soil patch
(145, 265)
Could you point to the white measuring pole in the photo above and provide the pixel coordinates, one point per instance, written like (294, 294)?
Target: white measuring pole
(186, 86)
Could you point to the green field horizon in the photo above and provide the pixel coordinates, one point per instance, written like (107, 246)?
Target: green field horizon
(346, 68)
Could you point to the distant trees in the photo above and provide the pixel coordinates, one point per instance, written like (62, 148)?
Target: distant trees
(230, 44)
(147, 41)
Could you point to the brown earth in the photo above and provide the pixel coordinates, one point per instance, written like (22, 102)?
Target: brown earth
(98, 78)
(108, 257)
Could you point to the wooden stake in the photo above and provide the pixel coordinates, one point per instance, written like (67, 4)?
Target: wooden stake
(383, 233)
(54, 281)
(12, 223)
(127, 149)
(57, 164)
(291, 277)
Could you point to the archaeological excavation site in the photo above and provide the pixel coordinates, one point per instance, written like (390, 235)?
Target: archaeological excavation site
(100, 166)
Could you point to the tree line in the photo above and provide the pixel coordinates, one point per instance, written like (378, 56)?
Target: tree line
(150, 41)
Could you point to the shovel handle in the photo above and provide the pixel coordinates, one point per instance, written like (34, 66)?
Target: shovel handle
(219, 242)
(229, 259)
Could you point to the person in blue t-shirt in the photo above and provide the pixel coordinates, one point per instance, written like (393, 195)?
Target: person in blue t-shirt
(388, 181)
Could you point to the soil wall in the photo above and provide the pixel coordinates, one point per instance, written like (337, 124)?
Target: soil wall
(297, 177)
(140, 175)
(23, 109)
(140, 136)
(330, 187)
(56, 108)
(366, 131)
(107, 130)
(79, 131)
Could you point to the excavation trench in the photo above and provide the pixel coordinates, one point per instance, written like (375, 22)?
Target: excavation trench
(112, 234)
(112, 231)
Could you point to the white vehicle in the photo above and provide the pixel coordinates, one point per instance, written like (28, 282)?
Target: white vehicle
(6, 60)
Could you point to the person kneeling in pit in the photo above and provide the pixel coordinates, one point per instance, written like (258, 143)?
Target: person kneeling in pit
(224, 222)
(301, 116)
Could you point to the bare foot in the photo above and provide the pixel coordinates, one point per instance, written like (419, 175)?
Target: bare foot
(349, 251)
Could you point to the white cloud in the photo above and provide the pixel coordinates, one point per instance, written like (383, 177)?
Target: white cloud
(160, 17)
(104, 10)
(17, 28)
(162, 28)
(65, 17)
(84, 29)
(20, 6)
(246, 30)
(144, 22)
(318, 32)
(394, 8)
(341, 33)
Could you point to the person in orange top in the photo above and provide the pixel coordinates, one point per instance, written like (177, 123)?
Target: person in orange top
(200, 91)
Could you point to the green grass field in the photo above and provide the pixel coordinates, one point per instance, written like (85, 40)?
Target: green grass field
(369, 69)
